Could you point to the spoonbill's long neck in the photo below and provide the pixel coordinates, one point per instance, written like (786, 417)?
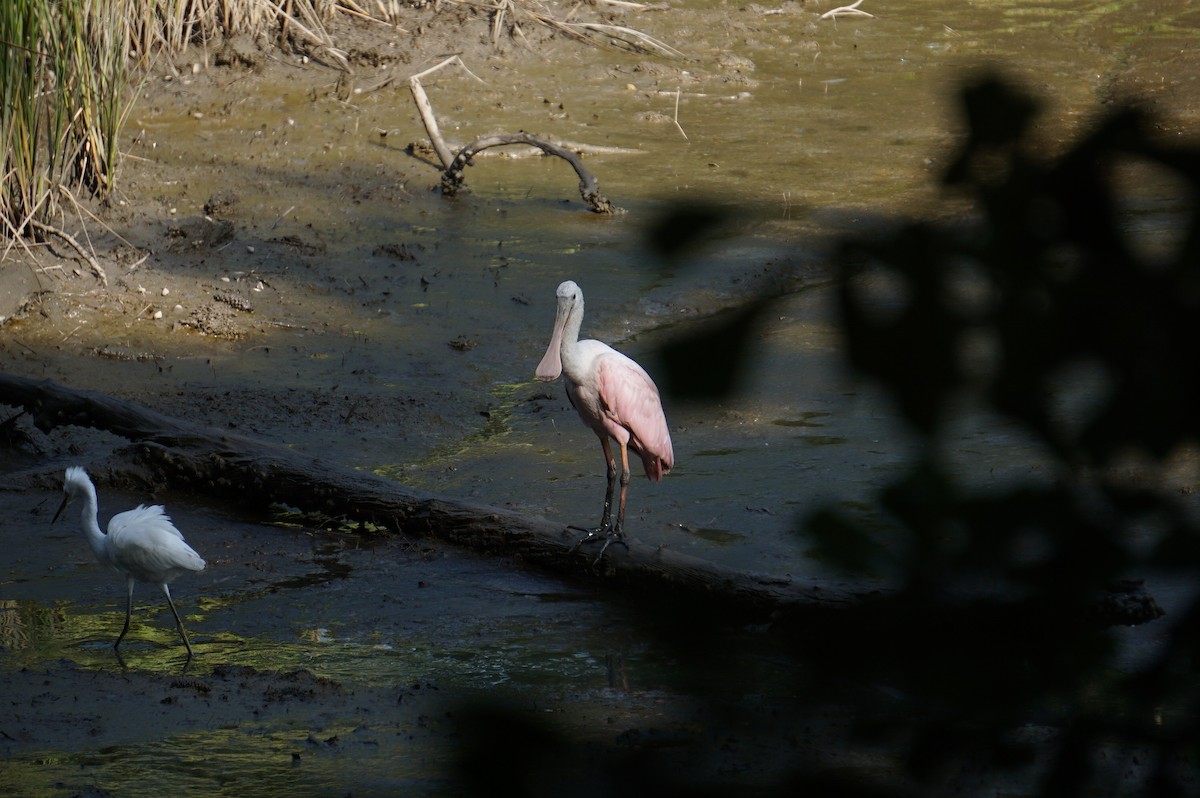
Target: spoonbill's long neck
(570, 336)
(91, 525)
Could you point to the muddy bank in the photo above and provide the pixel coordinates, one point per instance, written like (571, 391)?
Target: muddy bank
(315, 293)
(333, 663)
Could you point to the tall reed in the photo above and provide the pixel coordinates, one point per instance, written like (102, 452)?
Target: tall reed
(63, 81)
(65, 69)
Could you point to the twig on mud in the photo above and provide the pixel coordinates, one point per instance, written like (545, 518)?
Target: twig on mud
(625, 4)
(616, 35)
(677, 125)
(597, 149)
(426, 109)
(279, 218)
(82, 211)
(322, 39)
(377, 86)
(851, 10)
(498, 14)
(13, 238)
(351, 8)
(498, 18)
(612, 35)
(65, 236)
(15, 230)
(33, 224)
(33, 351)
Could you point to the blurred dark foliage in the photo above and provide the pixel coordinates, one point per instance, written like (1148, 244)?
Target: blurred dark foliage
(1062, 283)
(984, 672)
(684, 228)
(708, 364)
(1047, 312)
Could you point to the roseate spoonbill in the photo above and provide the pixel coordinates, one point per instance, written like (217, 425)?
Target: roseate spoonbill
(141, 543)
(615, 397)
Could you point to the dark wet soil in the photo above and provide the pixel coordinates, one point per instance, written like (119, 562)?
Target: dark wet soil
(346, 665)
(175, 291)
(201, 273)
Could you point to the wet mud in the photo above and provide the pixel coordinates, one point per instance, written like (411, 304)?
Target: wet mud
(276, 263)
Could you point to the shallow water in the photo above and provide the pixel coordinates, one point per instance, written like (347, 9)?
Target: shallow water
(827, 128)
(414, 322)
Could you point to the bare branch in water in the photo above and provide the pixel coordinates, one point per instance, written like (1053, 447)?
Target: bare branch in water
(589, 187)
(426, 109)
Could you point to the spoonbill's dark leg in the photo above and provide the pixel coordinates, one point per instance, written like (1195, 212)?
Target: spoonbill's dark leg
(615, 534)
(612, 534)
(606, 528)
(620, 528)
(128, 611)
(178, 622)
(611, 464)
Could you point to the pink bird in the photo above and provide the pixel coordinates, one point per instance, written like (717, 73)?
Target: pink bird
(615, 397)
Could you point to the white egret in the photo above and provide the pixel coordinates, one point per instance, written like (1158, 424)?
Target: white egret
(141, 543)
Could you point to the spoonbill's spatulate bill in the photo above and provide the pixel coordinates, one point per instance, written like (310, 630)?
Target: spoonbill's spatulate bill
(615, 397)
(141, 543)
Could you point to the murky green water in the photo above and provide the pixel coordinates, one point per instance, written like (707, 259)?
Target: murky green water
(827, 126)
(837, 125)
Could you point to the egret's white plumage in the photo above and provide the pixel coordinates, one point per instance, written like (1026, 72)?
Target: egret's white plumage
(141, 543)
(614, 396)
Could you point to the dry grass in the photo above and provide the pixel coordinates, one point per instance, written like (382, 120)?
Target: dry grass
(62, 80)
(67, 67)
(66, 70)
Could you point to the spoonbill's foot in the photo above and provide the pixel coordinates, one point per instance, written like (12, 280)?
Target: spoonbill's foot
(608, 534)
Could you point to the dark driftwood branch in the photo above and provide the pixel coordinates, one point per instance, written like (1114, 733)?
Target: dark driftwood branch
(425, 108)
(258, 474)
(452, 177)
(589, 187)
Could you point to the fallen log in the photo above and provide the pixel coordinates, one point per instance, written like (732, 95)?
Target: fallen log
(259, 474)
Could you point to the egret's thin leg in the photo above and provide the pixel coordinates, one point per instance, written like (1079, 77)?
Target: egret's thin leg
(128, 612)
(178, 621)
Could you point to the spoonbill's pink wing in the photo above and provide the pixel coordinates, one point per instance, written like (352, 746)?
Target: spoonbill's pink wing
(631, 400)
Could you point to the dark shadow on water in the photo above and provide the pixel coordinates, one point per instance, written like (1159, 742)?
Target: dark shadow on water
(990, 669)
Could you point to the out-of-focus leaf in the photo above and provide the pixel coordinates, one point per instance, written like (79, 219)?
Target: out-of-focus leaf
(709, 361)
(682, 228)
